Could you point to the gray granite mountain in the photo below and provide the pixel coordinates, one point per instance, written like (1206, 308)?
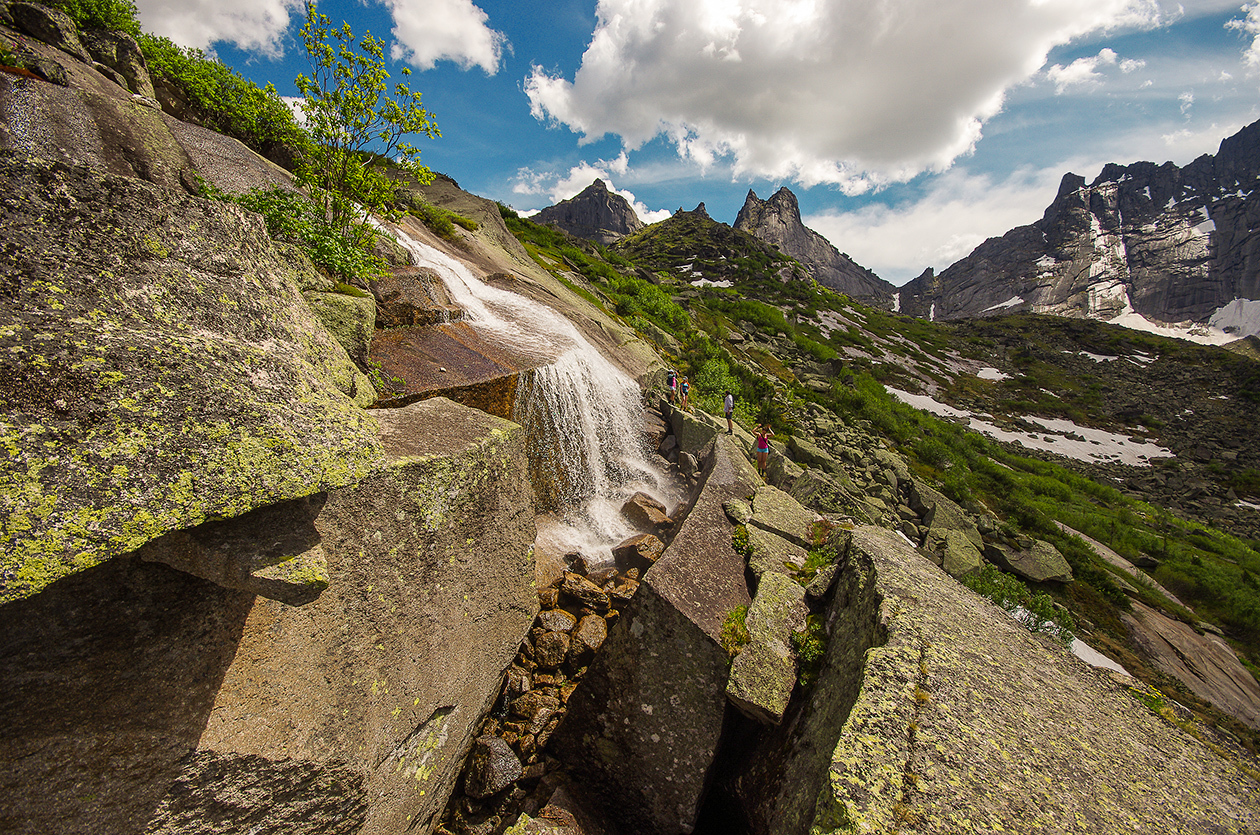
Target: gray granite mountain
(1173, 244)
(594, 213)
(777, 221)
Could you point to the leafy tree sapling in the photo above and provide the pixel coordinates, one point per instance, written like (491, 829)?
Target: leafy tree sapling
(352, 115)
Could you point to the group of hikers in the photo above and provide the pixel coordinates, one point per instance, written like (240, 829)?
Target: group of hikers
(680, 393)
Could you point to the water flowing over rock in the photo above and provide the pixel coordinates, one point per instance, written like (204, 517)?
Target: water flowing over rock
(582, 414)
(778, 221)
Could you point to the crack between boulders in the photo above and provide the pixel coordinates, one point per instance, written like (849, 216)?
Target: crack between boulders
(902, 814)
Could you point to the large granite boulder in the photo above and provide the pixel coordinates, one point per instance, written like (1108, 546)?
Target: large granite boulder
(139, 698)
(763, 675)
(647, 720)
(159, 368)
(896, 735)
(1041, 562)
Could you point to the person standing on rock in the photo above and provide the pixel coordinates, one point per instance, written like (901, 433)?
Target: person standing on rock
(728, 406)
(762, 447)
(672, 382)
(683, 394)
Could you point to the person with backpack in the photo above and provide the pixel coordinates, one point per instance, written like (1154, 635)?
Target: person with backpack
(672, 382)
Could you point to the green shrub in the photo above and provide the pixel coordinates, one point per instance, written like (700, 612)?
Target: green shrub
(114, 15)
(291, 217)
(811, 650)
(1035, 611)
(225, 101)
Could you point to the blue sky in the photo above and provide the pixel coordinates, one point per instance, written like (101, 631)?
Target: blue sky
(910, 130)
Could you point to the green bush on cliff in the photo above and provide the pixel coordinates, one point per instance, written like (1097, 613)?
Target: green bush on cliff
(114, 15)
(292, 218)
(225, 101)
(735, 635)
(1035, 611)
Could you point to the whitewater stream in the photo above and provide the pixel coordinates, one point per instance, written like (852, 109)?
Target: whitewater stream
(582, 415)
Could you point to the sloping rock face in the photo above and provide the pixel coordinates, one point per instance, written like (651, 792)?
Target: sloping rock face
(1174, 244)
(962, 721)
(777, 221)
(158, 368)
(595, 213)
(138, 698)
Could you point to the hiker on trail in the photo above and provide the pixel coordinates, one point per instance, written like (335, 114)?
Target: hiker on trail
(682, 391)
(728, 406)
(672, 382)
(762, 448)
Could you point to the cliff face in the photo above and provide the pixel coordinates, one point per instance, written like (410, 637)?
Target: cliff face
(595, 213)
(1173, 244)
(777, 221)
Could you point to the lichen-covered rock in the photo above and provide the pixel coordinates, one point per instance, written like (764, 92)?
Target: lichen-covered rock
(952, 551)
(896, 737)
(159, 368)
(778, 513)
(48, 25)
(763, 675)
(140, 698)
(770, 552)
(350, 319)
(1040, 563)
(119, 52)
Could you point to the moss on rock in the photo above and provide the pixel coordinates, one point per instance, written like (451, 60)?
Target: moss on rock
(159, 368)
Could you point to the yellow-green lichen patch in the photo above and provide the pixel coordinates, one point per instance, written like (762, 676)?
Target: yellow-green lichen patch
(184, 389)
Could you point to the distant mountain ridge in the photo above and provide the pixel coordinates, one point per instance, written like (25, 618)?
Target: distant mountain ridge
(777, 221)
(1172, 244)
(595, 213)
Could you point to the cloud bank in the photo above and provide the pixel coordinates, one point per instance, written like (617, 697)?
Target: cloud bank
(252, 25)
(425, 31)
(848, 92)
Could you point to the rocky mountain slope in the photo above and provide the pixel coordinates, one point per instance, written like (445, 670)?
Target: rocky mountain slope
(777, 221)
(595, 213)
(1172, 244)
(235, 599)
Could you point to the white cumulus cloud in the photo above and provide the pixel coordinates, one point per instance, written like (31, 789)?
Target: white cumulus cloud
(961, 211)
(848, 92)
(428, 31)
(425, 31)
(1249, 25)
(253, 25)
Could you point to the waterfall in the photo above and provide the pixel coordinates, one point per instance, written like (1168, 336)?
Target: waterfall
(583, 417)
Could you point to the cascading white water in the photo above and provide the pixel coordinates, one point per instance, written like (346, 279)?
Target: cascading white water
(582, 415)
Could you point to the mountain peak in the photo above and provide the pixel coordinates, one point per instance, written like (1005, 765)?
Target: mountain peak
(777, 221)
(595, 213)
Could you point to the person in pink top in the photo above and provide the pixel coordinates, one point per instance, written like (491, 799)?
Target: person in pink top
(762, 447)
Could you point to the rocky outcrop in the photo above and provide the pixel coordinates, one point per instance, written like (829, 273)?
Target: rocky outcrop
(1205, 663)
(893, 734)
(777, 221)
(160, 369)
(646, 723)
(140, 698)
(1173, 244)
(594, 213)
